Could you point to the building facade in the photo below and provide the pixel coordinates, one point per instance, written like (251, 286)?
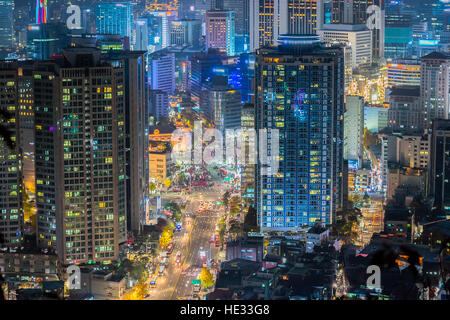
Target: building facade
(300, 88)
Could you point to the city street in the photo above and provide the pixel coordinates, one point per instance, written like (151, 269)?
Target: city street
(193, 238)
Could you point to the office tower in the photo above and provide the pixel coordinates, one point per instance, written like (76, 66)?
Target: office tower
(353, 128)
(46, 40)
(300, 92)
(141, 29)
(304, 16)
(398, 36)
(26, 124)
(404, 73)
(162, 71)
(241, 11)
(270, 18)
(264, 23)
(248, 139)
(220, 31)
(434, 87)
(159, 104)
(405, 111)
(159, 22)
(186, 9)
(115, 18)
(136, 110)
(355, 12)
(185, 75)
(11, 175)
(222, 105)
(440, 164)
(202, 65)
(80, 156)
(88, 21)
(356, 36)
(6, 24)
(185, 33)
(342, 11)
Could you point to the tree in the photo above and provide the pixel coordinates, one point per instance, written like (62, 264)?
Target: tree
(167, 183)
(166, 236)
(226, 198)
(369, 139)
(141, 290)
(206, 278)
(235, 228)
(152, 187)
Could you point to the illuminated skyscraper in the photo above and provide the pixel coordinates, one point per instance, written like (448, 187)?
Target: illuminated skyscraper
(46, 39)
(115, 18)
(11, 197)
(6, 24)
(80, 156)
(300, 92)
(357, 12)
(220, 31)
(434, 87)
(141, 35)
(162, 70)
(270, 18)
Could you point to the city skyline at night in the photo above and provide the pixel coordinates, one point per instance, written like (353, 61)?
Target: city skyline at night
(224, 150)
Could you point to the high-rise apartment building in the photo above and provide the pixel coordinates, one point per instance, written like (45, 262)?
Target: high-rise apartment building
(300, 93)
(11, 175)
(137, 111)
(80, 156)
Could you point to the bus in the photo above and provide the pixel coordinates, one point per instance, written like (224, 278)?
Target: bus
(161, 271)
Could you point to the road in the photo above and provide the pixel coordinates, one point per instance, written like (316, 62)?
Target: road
(193, 238)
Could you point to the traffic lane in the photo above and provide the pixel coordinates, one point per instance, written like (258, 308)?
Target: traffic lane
(200, 241)
(166, 283)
